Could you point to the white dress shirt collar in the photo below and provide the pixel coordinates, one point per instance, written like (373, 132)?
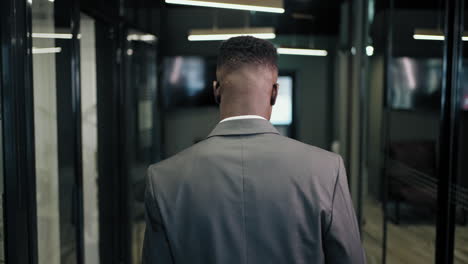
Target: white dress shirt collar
(242, 117)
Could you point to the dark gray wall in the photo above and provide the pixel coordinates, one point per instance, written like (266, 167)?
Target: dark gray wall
(312, 98)
(185, 127)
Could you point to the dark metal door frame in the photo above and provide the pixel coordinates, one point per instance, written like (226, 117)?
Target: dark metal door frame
(448, 135)
(19, 143)
(385, 120)
(18, 130)
(76, 100)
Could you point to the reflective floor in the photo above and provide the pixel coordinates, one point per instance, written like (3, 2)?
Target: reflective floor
(409, 242)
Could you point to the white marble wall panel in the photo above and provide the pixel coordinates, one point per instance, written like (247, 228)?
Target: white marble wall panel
(89, 139)
(45, 132)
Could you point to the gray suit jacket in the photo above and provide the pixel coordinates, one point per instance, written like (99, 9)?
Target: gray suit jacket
(246, 194)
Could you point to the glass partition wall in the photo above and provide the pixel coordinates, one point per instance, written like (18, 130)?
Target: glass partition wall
(85, 194)
(2, 186)
(414, 204)
(68, 130)
(141, 128)
(412, 120)
(459, 188)
(57, 139)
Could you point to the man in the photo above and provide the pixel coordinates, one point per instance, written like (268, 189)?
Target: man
(245, 194)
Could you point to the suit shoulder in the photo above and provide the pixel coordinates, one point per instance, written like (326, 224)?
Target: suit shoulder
(315, 158)
(174, 161)
(312, 149)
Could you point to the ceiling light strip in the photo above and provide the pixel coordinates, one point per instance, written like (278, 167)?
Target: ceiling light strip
(52, 35)
(209, 37)
(227, 5)
(142, 37)
(428, 37)
(433, 37)
(303, 52)
(46, 50)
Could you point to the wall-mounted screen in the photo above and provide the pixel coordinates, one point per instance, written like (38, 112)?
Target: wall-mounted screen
(282, 114)
(464, 85)
(187, 81)
(465, 101)
(415, 84)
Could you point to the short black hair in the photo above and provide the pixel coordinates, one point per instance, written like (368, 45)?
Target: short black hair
(239, 51)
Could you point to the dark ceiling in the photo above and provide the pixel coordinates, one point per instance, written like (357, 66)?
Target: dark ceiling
(320, 17)
(381, 5)
(308, 17)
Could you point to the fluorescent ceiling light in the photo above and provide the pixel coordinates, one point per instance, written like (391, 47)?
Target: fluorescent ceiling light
(228, 36)
(434, 37)
(142, 37)
(223, 34)
(428, 37)
(46, 50)
(430, 34)
(303, 52)
(369, 50)
(52, 35)
(272, 6)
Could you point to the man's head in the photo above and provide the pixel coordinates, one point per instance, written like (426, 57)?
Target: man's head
(247, 74)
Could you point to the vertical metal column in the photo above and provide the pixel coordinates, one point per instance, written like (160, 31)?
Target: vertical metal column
(363, 110)
(125, 245)
(76, 105)
(18, 130)
(385, 121)
(447, 168)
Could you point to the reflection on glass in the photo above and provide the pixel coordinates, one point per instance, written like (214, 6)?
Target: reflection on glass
(412, 158)
(400, 181)
(416, 83)
(412, 186)
(141, 126)
(460, 188)
(460, 192)
(54, 125)
(89, 139)
(372, 213)
(464, 81)
(2, 232)
(45, 130)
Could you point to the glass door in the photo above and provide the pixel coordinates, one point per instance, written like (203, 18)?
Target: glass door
(419, 158)
(2, 232)
(57, 134)
(141, 126)
(405, 76)
(412, 121)
(459, 188)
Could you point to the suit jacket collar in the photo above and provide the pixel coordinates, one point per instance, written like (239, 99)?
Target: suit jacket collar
(243, 127)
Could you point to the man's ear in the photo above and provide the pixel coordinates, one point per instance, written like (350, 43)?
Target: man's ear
(274, 93)
(216, 92)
